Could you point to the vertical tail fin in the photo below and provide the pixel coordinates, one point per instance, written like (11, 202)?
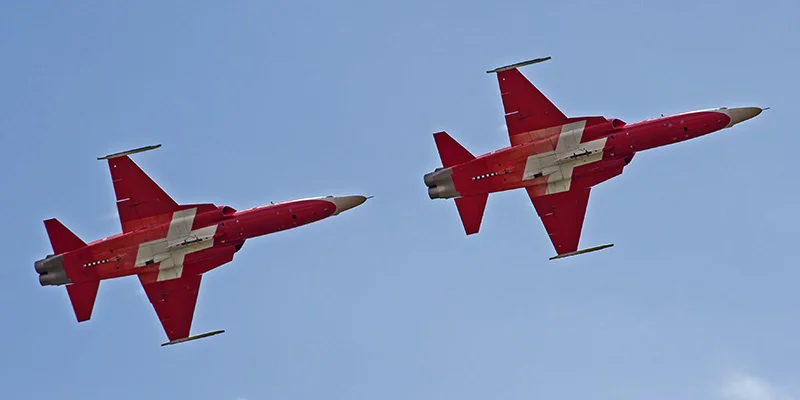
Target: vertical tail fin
(470, 209)
(451, 152)
(83, 294)
(62, 239)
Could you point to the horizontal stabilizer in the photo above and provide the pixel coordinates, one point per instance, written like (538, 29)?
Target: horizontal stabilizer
(519, 64)
(61, 238)
(471, 209)
(195, 337)
(82, 295)
(129, 152)
(582, 251)
(451, 152)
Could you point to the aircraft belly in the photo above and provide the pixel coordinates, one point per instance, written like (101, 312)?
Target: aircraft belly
(557, 166)
(561, 181)
(539, 165)
(170, 252)
(151, 253)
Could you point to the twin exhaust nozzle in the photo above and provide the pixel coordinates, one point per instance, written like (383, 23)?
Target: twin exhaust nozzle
(440, 184)
(51, 271)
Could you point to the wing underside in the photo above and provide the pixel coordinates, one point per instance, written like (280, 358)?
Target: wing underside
(173, 290)
(174, 301)
(526, 109)
(563, 213)
(140, 201)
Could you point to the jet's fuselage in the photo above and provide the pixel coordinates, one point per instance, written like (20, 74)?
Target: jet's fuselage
(583, 147)
(195, 229)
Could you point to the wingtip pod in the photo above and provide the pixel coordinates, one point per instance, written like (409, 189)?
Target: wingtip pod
(583, 251)
(519, 64)
(129, 152)
(190, 338)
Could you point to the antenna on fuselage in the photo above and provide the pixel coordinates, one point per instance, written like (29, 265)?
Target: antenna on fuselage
(519, 64)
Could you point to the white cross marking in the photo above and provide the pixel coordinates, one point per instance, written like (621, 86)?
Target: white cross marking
(557, 165)
(181, 240)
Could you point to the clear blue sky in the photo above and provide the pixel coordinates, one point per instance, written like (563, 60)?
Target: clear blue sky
(258, 101)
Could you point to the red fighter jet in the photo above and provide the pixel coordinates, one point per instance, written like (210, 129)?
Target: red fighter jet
(557, 159)
(167, 245)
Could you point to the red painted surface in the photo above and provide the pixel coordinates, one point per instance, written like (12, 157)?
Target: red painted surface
(120, 250)
(536, 127)
(149, 218)
(509, 163)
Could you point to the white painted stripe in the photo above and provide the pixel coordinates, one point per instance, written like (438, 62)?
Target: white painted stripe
(558, 165)
(181, 224)
(181, 240)
(570, 137)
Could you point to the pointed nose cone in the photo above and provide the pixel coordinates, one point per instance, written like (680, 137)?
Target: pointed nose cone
(344, 203)
(740, 114)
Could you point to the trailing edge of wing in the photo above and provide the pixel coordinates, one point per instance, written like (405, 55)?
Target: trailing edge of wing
(519, 64)
(129, 152)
